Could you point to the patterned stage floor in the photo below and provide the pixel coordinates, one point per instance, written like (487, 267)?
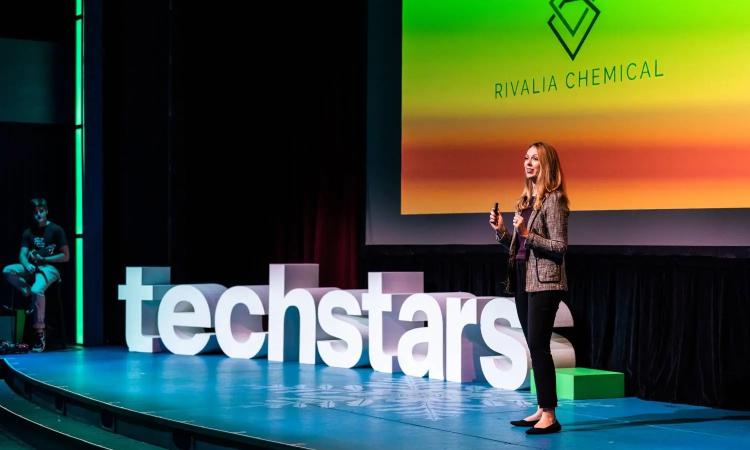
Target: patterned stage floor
(329, 408)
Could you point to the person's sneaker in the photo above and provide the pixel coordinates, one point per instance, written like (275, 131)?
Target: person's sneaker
(41, 342)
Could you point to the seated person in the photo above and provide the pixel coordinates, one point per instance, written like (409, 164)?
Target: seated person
(42, 245)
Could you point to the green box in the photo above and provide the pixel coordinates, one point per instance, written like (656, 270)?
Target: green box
(578, 383)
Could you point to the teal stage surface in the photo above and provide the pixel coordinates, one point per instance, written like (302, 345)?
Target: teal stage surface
(329, 408)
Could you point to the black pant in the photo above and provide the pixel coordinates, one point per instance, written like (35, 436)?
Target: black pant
(536, 311)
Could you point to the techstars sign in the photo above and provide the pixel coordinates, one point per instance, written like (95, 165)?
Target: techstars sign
(393, 326)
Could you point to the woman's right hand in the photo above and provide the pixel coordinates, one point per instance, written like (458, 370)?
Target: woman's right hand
(496, 221)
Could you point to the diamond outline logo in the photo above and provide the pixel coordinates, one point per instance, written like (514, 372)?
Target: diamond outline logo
(572, 31)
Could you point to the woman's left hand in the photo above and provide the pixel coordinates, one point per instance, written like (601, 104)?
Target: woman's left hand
(520, 225)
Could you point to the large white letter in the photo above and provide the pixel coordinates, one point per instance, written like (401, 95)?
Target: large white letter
(414, 362)
(375, 305)
(184, 313)
(240, 334)
(347, 351)
(460, 313)
(147, 284)
(386, 290)
(512, 370)
(283, 278)
(292, 336)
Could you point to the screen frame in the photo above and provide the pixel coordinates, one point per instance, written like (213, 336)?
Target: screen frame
(724, 231)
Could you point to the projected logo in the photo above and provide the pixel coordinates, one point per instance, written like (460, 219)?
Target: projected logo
(571, 22)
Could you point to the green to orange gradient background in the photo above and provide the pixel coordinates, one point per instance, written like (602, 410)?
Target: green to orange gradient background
(679, 141)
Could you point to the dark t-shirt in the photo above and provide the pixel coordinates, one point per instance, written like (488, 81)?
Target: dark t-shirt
(47, 240)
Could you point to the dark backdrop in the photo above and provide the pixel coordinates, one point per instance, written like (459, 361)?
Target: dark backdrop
(235, 138)
(676, 325)
(36, 133)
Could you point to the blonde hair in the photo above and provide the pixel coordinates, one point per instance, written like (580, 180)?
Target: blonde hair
(549, 179)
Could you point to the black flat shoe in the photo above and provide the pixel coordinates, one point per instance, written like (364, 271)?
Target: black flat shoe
(554, 428)
(523, 423)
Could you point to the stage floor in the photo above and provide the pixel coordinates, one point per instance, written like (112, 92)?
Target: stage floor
(329, 408)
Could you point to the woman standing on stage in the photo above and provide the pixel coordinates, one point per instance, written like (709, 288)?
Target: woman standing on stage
(537, 248)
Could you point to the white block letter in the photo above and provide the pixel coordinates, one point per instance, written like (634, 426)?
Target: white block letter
(386, 290)
(292, 337)
(240, 330)
(457, 317)
(419, 362)
(184, 312)
(347, 350)
(510, 371)
(140, 326)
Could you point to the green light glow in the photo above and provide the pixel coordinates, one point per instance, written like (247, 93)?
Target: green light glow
(79, 72)
(79, 180)
(79, 291)
(79, 169)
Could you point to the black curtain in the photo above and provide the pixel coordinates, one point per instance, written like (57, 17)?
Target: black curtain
(135, 155)
(234, 138)
(37, 159)
(677, 326)
(268, 155)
